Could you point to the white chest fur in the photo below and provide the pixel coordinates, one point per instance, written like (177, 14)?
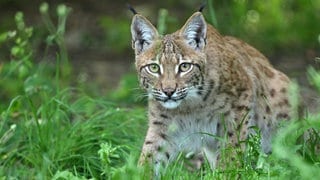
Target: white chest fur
(193, 133)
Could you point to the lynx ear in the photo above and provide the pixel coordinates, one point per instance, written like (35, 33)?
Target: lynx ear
(143, 33)
(195, 31)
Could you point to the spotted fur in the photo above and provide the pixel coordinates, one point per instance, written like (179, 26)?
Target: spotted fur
(203, 85)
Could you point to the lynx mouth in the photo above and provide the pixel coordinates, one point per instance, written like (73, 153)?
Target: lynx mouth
(172, 98)
(170, 103)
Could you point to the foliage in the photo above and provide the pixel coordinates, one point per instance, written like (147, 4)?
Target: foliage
(270, 25)
(15, 73)
(314, 78)
(47, 130)
(128, 91)
(117, 33)
(56, 32)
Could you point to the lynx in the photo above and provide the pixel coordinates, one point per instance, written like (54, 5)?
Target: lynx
(202, 85)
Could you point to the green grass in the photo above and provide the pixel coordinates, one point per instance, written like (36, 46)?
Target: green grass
(52, 130)
(59, 134)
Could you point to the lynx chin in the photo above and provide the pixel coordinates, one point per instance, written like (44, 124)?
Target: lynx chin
(202, 85)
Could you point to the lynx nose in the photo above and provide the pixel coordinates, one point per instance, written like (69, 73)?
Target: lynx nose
(168, 88)
(169, 91)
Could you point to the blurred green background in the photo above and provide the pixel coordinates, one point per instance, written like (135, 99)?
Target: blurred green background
(98, 39)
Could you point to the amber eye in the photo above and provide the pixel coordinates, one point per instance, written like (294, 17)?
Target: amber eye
(154, 68)
(184, 67)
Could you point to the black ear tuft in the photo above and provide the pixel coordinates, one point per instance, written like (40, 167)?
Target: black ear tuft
(131, 9)
(203, 5)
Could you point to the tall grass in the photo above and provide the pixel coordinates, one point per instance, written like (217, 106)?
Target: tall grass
(52, 130)
(59, 133)
(48, 131)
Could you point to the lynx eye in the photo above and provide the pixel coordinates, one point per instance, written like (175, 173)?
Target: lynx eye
(184, 67)
(154, 68)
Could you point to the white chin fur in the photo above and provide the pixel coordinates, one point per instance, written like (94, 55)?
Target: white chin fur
(170, 104)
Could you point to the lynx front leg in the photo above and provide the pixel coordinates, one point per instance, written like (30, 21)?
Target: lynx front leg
(156, 149)
(151, 147)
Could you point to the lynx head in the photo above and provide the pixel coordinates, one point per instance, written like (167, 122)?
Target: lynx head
(170, 67)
